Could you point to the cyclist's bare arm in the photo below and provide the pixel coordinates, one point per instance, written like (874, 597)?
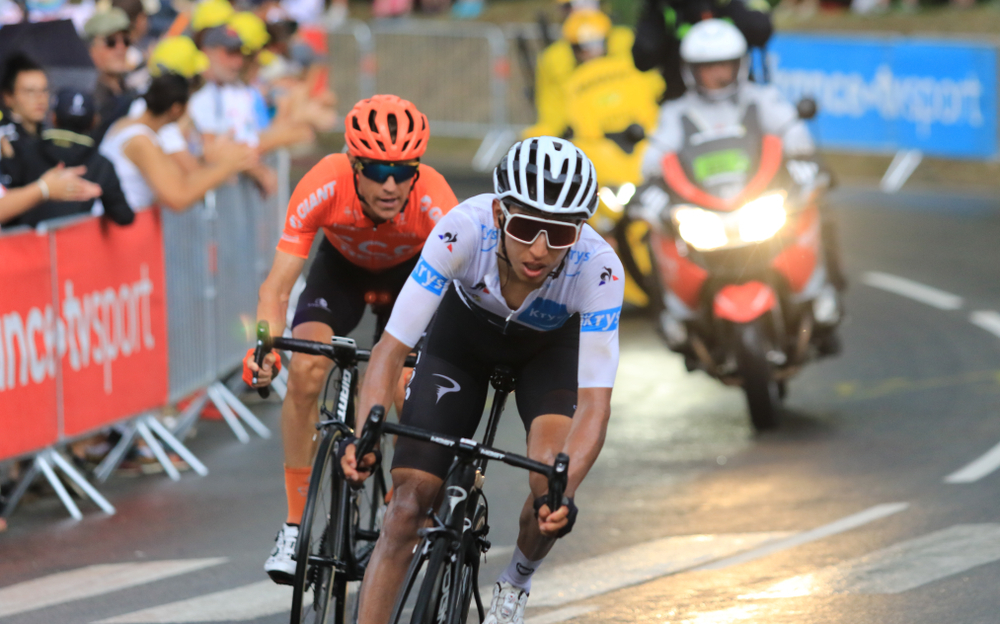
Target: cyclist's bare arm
(384, 368)
(586, 434)
(272, 303)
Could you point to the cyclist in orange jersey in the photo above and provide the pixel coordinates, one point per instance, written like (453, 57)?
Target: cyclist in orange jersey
(376, 206)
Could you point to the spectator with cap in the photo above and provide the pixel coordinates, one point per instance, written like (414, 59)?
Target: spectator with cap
(67, 144)
(107, 33)
(148, 175)
(209, 14)
(138, 12)
(225, 106)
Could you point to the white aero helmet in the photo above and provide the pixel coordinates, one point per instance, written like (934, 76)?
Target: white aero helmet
(714, 41)
(549, 175)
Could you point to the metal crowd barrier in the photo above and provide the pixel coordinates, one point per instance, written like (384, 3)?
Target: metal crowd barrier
(458, 74)
(157, 313)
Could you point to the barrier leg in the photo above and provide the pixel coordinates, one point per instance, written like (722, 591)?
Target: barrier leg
(77, 478)
(43, 464)
(164, 434)
(187, 418)
(227, 414)
(242, 411)
(117, 454)
(22, 486)
(158, 452)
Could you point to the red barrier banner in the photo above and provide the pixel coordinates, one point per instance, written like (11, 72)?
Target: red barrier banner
(28, 348)
(112, 298)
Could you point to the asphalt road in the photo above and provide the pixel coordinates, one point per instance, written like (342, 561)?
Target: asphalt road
(857, 510)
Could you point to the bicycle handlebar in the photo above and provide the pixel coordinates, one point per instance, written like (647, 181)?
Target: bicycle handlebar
(557, 473)
(334, 351)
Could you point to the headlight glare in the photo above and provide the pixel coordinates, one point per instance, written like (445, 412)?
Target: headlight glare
(761, 219)
(699, 228)
(610, 199)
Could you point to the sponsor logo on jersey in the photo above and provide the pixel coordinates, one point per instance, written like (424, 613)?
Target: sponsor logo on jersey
(607, 276)
(603, 321)
(544, 314)
(490, 238)
(449, 239)
(309, 204)
(481, 286)
(574, 262)
(445, 389)
(426, 276)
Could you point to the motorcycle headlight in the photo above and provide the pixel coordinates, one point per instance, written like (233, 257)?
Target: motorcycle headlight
(700, 228)
(625, 193)
(761, 218)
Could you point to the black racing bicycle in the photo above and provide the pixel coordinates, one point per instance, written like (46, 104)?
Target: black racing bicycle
(340, 523)
(449, 551)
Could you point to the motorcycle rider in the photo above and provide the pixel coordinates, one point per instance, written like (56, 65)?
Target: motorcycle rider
(586, 23)
(720, 96)
(663, 24)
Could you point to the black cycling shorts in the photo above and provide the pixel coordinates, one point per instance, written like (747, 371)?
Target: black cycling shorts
(448, 390)
(335, 289)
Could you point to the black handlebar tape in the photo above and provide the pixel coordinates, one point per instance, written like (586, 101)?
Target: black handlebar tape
(371, 432)
(262, 349)
(558, 480)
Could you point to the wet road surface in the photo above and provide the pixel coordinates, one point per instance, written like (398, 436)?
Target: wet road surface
(864, 507)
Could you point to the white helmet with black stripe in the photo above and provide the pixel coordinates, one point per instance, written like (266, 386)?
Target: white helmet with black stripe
(549, 175)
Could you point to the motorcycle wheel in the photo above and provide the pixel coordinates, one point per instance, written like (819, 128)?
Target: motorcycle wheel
(763, 392)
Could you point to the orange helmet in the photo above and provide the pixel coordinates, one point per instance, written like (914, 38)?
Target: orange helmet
(369, 132)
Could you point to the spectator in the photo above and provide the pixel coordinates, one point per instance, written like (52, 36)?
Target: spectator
(177, 55)
(209, 14)
(107, 33)
(138, 14)
(226, 106)
(25, 90)
(148, 176)
(662, 23)
(68, 143)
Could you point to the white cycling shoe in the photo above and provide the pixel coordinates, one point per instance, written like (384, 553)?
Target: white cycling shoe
(280, 566)
(507, 606)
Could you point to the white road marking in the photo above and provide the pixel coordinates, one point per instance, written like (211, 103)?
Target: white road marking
(637, 564)
(561, 615)
(92, 581)
(249, 602)
(913, 290)
(977, 469)
(900, 567)
(839, 526)
(986, 319)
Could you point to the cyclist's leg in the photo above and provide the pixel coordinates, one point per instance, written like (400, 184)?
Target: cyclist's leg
(414, 492)
(331, 304)
(446, 394)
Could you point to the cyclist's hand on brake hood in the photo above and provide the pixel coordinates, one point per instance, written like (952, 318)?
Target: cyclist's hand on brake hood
(265, 373)
(355, 472)
(551, 523)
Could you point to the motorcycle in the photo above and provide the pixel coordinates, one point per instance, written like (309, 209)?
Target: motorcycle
(737, 240)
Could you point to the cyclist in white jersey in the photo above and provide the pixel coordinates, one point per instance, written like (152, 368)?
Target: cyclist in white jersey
(514, 278)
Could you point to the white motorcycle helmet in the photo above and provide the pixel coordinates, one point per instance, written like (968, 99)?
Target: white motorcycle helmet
(714, 41)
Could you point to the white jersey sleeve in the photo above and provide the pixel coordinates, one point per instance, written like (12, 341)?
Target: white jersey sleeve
(600, 307)
(449, 251)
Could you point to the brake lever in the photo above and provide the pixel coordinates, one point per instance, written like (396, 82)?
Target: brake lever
(260, 351)
(557, 481)
(371, 432)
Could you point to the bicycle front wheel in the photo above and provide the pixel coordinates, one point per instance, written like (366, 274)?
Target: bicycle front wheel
(320, 592)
